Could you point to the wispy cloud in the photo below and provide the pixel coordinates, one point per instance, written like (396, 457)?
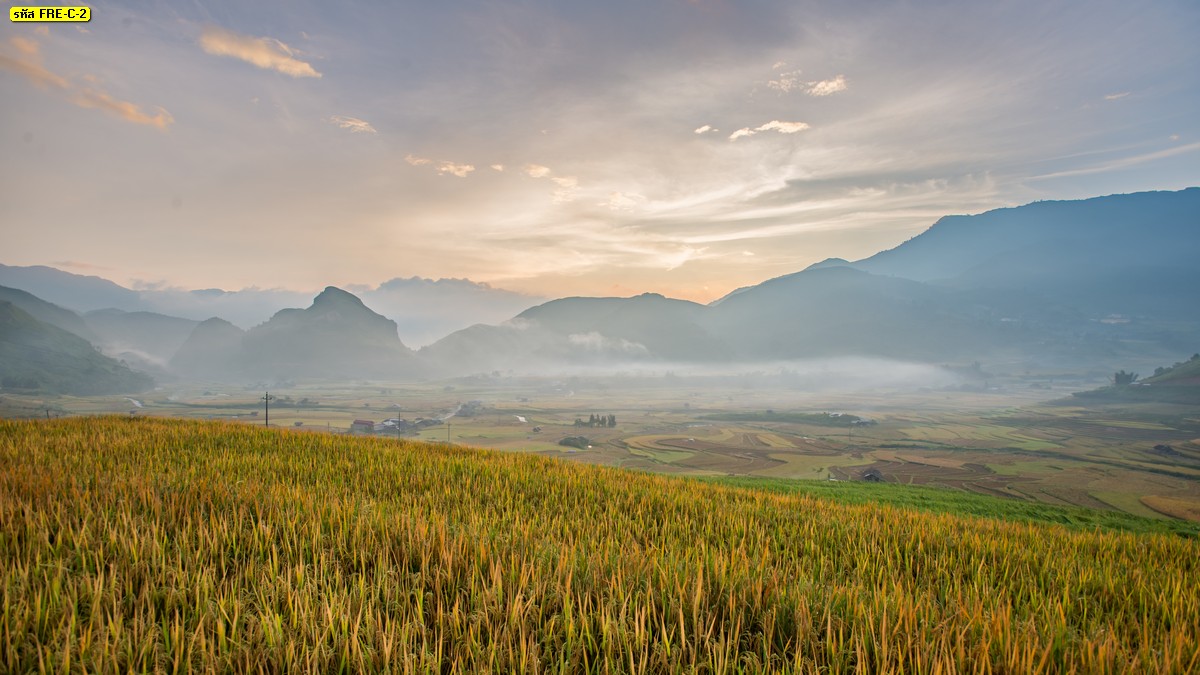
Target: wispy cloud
(264, 52)
(498, 167)
(130, 112)
(352, 124)
(621, 201)
(442, 167)
(773, 125)
(28, 64)
(707, 128)
(787, 81)
(567, 185)
(791, 81)
(1113, 97)
(826, 87)
(459, 170)
(1122, 162)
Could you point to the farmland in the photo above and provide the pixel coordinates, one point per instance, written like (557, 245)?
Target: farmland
(1029, 444)
(169, 545)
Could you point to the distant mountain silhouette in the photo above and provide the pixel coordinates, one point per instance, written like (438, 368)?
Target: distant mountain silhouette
(839, 311)
(583, 331)
(1126, 254)
(336, 337)
(424, 309)
(47, 312)
(73, 291)
(213, 351)
(36, 356)
(145, 339)
(1104, 282)
(1075, 282)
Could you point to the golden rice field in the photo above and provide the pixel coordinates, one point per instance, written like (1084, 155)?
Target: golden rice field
(141, 545)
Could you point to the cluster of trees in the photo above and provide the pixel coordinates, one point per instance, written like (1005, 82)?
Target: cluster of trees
(594, 420)
(1122, 378)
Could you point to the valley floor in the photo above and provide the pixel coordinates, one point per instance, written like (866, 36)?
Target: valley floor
(1026, 440)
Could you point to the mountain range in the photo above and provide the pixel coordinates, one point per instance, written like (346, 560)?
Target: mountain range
(423, 309)
(1094, 283)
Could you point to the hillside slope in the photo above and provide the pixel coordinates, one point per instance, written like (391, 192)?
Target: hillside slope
(38, 356)
(48, 312)
(277, 550)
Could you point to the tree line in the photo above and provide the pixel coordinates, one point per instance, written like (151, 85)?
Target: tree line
(594, 420)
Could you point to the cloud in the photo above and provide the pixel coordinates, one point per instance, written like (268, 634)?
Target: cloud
(353, 124)
(460, 170)
(783, 127)
(130, 112)
(786, 82)
(264, 52)
(498, 167)
(28, 64)
(1122, 162)
(1113, 97)
(567, 185)
(773, 125)
(705, 129)
(442, 167)
(597, 342)
(789, 82)
(620, 201)
(826, 87)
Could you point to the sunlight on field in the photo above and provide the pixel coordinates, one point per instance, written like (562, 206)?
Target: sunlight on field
(141, 544)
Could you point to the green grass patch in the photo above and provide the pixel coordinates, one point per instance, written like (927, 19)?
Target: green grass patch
(960, 502)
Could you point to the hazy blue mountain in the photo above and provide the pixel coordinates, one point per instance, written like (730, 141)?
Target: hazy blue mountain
(424, 309)
(73, 291)
(212, 351)
(1095, 281)
(337, 336)
(1125, 254)
(47, 312)
(38, 356)
(583, 332)
(139, 337)
(839, 311)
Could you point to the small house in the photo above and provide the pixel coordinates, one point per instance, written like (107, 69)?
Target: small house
(362, 426)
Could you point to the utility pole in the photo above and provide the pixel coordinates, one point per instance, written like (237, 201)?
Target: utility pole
(447, 432)
(266, 399)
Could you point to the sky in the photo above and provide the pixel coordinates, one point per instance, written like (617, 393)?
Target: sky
(555, 148)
